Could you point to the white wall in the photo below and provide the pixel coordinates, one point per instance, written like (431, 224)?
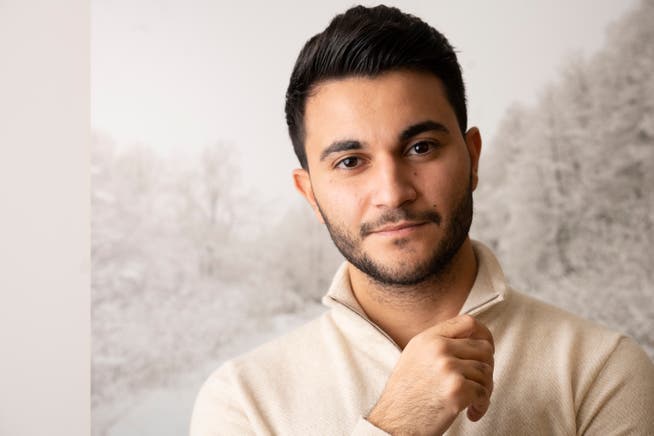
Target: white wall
(44, 218)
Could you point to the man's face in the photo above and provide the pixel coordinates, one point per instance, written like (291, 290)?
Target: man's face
(390, 173)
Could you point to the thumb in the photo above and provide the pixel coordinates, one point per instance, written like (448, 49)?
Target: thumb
(459, 327)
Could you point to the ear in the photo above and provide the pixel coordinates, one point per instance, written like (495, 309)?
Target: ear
(473, 142)
(302, 182)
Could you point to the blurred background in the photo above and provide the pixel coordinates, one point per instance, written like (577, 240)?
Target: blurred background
(201, 249)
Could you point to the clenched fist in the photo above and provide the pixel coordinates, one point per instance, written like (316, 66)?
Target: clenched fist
(442, 370)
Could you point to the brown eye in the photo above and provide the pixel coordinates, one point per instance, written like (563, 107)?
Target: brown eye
(420, 148)
(348, 162)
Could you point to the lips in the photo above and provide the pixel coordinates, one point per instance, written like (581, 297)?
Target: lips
(396, 221)
(401, 227)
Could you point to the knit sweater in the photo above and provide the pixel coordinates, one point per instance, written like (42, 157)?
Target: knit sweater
(555, 373)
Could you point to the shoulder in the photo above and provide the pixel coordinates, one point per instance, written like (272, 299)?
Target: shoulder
(280, 357)
(257, 389)
(588, 376)
(574, 350)
(551, 338)
(557, 330)
(551, 323)
(557, 336)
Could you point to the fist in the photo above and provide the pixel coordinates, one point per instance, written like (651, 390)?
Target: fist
(442, 371)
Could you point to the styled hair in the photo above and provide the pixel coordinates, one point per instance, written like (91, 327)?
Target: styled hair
(367, 42)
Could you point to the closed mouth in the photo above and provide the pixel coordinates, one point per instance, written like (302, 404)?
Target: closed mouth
(399, 226)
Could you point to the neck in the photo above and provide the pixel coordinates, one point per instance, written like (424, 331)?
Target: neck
(404, 311)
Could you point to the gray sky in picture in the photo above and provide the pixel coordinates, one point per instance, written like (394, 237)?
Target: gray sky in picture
(179, 75)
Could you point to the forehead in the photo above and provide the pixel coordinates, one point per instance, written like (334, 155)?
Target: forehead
(374, 109)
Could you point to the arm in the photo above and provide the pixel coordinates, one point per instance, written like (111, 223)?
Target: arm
(442, 371)
(216, 411)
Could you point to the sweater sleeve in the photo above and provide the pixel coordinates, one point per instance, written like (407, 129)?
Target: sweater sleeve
(620, 401)
(216, 411)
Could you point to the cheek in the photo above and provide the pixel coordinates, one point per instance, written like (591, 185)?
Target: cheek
(443, 183)
(341, 201)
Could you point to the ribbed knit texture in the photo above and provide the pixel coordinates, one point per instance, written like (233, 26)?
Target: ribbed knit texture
(555, 373)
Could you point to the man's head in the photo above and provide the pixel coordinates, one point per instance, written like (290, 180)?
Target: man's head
(386, 163)
(366, 42)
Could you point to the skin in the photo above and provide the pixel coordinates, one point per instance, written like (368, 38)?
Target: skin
(391, 195)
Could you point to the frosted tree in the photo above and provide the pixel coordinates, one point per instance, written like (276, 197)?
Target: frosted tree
(565, 194)
(298, 258)
(153, 275)
(207, 211)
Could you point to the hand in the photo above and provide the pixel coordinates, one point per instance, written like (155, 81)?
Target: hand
(442, 370)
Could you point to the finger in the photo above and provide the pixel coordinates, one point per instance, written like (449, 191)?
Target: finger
(475, 397)
(474, 415)
(480, 401)
(480, 331)
(461, 326)
(478, 372)
(472, 370)
(470, 349)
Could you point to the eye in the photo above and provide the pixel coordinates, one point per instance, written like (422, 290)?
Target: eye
(421, 147)
(349, 162)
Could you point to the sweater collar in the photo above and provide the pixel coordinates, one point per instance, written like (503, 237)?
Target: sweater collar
(488, 289)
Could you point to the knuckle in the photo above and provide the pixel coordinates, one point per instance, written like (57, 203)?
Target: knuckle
(447, 365)
(457, 385)
(458, 405)
(459, 400)
(439, 346)
(484, 368)
(468, 321)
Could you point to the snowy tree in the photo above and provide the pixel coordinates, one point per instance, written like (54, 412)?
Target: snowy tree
(566, 187)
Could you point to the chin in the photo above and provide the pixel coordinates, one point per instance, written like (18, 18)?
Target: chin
(399, 270)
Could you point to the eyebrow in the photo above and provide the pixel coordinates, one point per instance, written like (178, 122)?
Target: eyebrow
(425, 126)
(338, 146)
(408, 133)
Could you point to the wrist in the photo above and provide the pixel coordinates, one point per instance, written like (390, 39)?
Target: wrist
(387, 422)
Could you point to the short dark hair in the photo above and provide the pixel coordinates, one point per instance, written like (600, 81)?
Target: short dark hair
(368, 42)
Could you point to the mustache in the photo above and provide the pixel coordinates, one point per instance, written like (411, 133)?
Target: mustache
(397, 215)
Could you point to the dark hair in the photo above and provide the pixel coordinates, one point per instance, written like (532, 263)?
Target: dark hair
(367, 42)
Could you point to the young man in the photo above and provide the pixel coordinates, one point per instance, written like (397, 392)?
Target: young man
(422, 325)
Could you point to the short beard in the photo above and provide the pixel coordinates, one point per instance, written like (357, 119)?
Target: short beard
(455, 234)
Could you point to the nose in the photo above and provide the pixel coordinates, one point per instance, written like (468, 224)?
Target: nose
(393, 185)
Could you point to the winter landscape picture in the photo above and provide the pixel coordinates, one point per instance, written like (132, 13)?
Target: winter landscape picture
(201, 250)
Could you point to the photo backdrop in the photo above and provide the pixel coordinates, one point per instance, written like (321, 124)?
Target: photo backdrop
(201, 249)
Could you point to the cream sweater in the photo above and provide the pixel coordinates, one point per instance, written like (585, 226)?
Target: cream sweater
(555, 374)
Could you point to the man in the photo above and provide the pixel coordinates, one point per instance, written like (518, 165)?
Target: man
(422, 325)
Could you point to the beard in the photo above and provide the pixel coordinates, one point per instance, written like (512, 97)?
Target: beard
(455, 232)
